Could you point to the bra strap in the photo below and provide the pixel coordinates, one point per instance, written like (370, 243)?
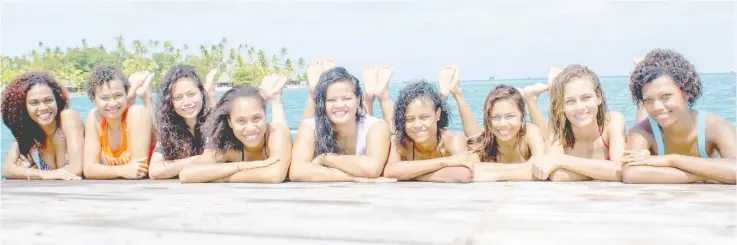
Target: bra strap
(701, 138)
(658, 136)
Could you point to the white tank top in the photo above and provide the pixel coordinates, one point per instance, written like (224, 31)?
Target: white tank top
(363, 127)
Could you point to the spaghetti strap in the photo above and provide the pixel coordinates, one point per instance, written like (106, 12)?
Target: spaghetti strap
(701, 138)
(657, 135)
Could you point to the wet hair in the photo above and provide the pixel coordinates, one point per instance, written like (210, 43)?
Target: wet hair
(15, 114)
(418, 91)
(104, 74)
(176, 140)
(665, 62)
(559, 123)
(326, 140)
(217, 127)
(486, 145)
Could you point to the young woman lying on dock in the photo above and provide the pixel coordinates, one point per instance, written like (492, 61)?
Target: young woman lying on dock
(183, 106)
(585, 141)
(341, 142)
(676, 144)
(503, 149)
(118, 136)
(49, 138)
(244, 147)
(422, 149)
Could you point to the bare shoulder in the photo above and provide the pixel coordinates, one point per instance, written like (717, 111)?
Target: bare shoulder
(450, 135)
(278, 128)
(70, 116)
(379, 126)
(717, 125)
(615, 117)
(135, 111)
(532, 129)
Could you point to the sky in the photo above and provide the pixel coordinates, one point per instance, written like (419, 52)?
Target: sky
(505, 39)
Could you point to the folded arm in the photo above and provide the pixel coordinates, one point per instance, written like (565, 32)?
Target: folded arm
(370, 165)
(302, 169)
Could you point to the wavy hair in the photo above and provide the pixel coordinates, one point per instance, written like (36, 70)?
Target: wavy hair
(15, 115)
(486, 145)
(559, 123)
(103, 74)
(660, 62)
(176, 139)
(418, 91)
(217, 127)
(326, 140)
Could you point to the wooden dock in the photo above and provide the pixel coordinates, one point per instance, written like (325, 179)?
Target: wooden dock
(167, 212)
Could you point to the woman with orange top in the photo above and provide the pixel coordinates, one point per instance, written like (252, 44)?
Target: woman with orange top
(118, 136)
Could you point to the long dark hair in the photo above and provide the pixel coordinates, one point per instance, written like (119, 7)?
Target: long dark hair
(325, 137)
(418, 91)
(217, 127)
(176, 140)
(486, 145)
(15, 113)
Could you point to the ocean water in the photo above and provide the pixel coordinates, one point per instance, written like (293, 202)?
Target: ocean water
(718, 98)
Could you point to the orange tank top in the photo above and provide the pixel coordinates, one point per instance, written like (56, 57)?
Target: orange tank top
(121, 155)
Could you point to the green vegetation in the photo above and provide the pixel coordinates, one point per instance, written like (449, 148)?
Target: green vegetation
(245, 63)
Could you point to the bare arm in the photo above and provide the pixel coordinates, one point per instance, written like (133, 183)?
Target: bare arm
(443, 169)
(11, 170)
(73, 129)
(309, 106)
(92, 166)
(387, 109)
(536, 115)
(553, 148)
(277, 112)
(280, 143)
(535, 140)
(470, 125)
(370, 165)
(723, 169)
(490, 172)
(637, 141)
(160, 168)
(302, 169)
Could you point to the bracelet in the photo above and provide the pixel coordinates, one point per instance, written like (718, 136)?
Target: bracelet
(28, 177)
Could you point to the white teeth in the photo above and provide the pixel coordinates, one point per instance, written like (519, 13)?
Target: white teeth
(661, 116)
(340, 114)
(252, 137)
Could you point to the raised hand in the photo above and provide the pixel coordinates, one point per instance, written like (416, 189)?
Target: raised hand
(382, 82)
(370, 75)
(135, 169)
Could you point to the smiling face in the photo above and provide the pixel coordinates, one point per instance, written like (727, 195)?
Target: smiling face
(581, 102)
(506, 119)
(664, 101)
(186, 98)
(421, 120)
(41, 104)
(341, 102)
(110, 99)
(248, 121)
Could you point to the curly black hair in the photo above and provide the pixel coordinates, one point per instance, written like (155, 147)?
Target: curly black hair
(176, 140)
(421, 90)
(217, 128)
(103, 74)
(326, 138)
(665, 62)
(15, 113)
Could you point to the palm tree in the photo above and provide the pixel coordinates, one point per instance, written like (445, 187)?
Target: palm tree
(301, 62)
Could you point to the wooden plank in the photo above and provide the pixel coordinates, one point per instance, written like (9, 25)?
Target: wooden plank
(167, 212)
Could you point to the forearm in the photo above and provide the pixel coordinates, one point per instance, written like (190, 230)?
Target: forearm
(448, 175)
(490, 172)
(164, 169)
(596, 169)
(207, 172)
(536, 116)
(470, 125)
(151, 109)
(270, 174)
(407, 170)
(100, 171)
(657, 175)
(359, 166)
(13, 171)
(720, 169)
(387, 109)
(309, 172)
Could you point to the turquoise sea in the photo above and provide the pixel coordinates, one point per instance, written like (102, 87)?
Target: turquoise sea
(718, 98)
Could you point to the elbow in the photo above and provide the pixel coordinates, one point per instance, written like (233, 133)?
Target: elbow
(156, 173)
(275, 176)
(187, 177)
(635, 175)
(297, 175)
(373, 172)
(463, 175)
